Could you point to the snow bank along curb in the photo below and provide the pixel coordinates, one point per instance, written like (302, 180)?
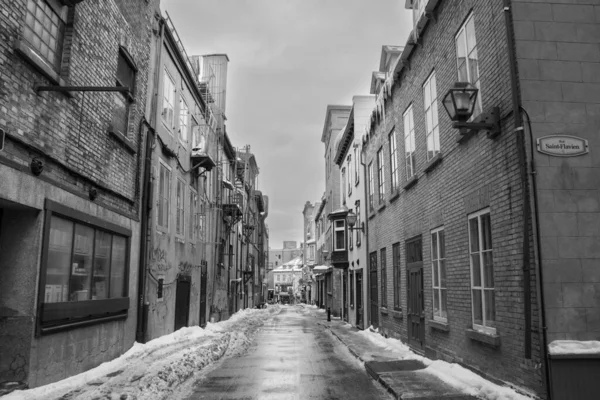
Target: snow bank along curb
(155, 369)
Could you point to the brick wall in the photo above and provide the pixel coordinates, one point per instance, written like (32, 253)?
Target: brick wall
(559, 59)
(454, 188)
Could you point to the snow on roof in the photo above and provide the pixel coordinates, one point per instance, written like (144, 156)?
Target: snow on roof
(574, 347)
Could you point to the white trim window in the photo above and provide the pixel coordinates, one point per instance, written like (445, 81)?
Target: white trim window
(358, 223)
(409, 142)
(356, 174)
(349, 180)
(381, 175)
(184, 117)
(431, 116)
(180, 204)
(371, 188)
(482, 271)
(168, 106)
(343, 184)
(194, 216)
(438, 266)
(164, 195)
(393, 160)
(340, 235)
(467, 59)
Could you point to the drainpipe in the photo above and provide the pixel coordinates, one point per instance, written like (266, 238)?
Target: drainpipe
(527, 215)
(147, 190)
(367, 274)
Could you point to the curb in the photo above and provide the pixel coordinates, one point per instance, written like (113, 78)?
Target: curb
(369, 371)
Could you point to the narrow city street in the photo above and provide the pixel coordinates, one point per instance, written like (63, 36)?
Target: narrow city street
(292, 357)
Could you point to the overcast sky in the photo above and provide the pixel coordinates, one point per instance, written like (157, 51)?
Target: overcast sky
(289, 59)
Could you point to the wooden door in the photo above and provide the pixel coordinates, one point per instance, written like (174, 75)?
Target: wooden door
(374, 292)
(415, 294)
(203, 285)
(182, 302)
(345, 294)
(359, 300)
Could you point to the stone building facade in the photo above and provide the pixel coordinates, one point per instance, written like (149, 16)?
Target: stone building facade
(73, 108)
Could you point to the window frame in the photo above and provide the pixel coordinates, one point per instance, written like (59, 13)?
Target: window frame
(396, 265)
(337, 229)
(168, 78)
(432, 107)
(381, 175)
(393, 147)
(477, 83)
(371, 187)
(193, 233)
(61, 13)
(356, 174)
(180, 196)
(358, 223)
(478, 215)
(383, 279)
(183, 138)
(159, 223)
(435, 264)
(349, 180)
(409, 142)
(127, 96)
(60, 316)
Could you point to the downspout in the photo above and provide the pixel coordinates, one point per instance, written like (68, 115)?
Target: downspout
(527, 215)
(366, 274)
(147, 190)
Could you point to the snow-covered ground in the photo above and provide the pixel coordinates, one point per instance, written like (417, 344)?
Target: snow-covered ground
(154, 370)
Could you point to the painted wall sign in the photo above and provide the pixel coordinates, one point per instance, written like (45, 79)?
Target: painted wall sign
(562, 145)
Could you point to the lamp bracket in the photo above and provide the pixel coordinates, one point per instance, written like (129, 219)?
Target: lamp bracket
(489, 121)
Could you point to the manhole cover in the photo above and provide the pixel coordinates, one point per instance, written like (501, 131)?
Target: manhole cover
(389, 366)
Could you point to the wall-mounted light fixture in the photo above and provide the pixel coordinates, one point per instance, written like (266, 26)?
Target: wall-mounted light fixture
(460, 102)
(351, 220)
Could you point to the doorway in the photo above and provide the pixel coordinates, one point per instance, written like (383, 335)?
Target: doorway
(415, 294)
(203, 284)
(345, 294)
(359, 299)
(374, 293)
(182, 302)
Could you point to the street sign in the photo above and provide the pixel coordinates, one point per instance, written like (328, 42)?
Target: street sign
(562, 145)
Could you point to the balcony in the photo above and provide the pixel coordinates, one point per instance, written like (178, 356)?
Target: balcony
(203, 148)
(232, 208)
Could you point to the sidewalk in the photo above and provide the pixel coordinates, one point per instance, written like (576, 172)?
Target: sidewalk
(404, 379)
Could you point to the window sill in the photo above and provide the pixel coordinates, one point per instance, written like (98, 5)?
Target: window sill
(433, 163)
(394, 195)
(384, 310)
(439, 325)
(38, 63)
(397, 314)
(486, 338)
(411, 182)
(180, 239)
(372, 213)
(381, 207)
(123, 140)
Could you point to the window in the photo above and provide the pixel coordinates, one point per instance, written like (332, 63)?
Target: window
(383, 257)
(482, 271)
(164, 194)
(349, 180)
(438, 265)
(44, 29)
(343, 183)
(356, 174)
(168, 108)
(393, 161)
(184, 116)
(194, 216)
(431, 117)
(371, 188)
(397, 277)
(122, 100)
(467, 59)
(340, 235)
(380, 176)
(409, 142)
(358, 223)
(180, 216)
(86, 261)
(351, 238)
(351, 288)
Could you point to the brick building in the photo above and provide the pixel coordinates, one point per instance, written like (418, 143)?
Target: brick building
(472, 231)
(72, 106)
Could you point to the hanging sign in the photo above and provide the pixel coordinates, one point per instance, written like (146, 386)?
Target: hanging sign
(562, 145)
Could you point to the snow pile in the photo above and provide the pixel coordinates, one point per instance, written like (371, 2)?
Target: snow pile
(154, 370)
(453, 374)
(574, 347)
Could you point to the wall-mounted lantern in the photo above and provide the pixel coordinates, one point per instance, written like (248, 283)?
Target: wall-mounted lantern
(460, 102)
(351, 220)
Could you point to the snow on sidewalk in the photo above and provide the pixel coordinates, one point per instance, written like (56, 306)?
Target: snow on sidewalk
(155, 369)
(453, 374)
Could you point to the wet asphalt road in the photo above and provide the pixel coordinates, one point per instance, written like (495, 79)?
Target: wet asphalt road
(291, 358)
